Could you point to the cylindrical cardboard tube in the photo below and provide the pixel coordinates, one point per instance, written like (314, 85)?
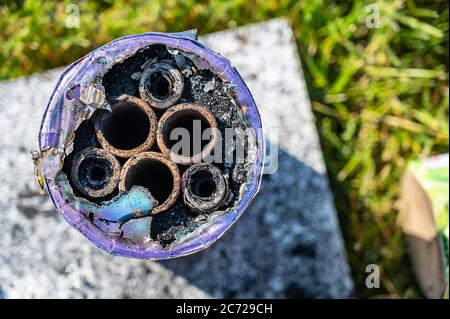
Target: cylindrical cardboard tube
(204, 187)
(181, 129)
(95, 172)
(161, 85)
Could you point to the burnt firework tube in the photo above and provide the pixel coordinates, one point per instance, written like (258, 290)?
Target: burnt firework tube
(204, 187)
(130, 127)
(161, 85)
(192, 120)
(95, 172)
(155, 172)
(103, 114)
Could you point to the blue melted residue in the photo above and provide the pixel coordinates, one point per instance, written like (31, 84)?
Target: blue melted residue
(136, 203)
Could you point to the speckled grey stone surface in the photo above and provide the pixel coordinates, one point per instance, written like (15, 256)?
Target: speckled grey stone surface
(287, 244)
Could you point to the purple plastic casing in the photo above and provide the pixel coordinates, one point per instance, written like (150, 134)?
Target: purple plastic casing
(58, 124)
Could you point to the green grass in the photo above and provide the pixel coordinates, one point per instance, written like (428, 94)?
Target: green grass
(380, 95)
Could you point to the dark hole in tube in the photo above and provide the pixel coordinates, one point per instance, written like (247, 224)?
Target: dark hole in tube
(160, 85)
(187, 120)
(126, 127)
(94, 172)
(153, 175)
(202, 184)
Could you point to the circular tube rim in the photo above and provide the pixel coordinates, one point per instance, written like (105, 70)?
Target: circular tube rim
(197, 202)
(177, 85)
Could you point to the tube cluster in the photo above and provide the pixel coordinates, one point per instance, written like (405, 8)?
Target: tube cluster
(138, 133)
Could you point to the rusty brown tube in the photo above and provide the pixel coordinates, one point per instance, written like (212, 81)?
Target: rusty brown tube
(155, 172)
(130, 127)
(95, 172)
(161, 85)
(204, 187)
(193, 120)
